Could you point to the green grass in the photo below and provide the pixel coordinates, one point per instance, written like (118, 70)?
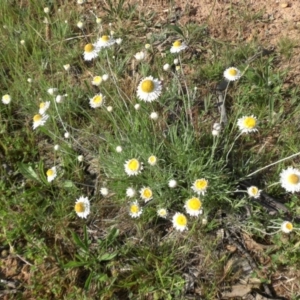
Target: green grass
(110, 255)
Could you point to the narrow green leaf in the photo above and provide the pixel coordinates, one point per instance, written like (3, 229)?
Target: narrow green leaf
(88, 281)
(78, 241)
(107, 256)
(28, 172)
(176, 28)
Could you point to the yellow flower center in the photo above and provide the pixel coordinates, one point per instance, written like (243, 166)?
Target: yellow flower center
(37, 118)
(97, 79)
(249, 122)
(289, 226)
(232, 72)
(133, 165)
(162, 212)
(177, 44)
(50, 172)
(293, 179)
(79, 207)
(201, 184)
(42, 104)
(6, 97)
(147, 86)
(89, 48)
(147, 193)
(105, 38)
(134, 208)
(254, 190)
(181, 220)
(194, 203)
(97, 99)
(152, 159)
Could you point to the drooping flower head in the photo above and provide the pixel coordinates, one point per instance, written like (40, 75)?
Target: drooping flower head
(193, 206)
(82, 207)
(135, 210)
(130, 192)
(179, 221)
(133, 167)
(149, 89)
(178, 46)
(232, 74)
(247, 124)
(90, 52)
(200, 186)
(51, 174)
(44, 107)
(146, 194)
(105, 41)
(290, 179)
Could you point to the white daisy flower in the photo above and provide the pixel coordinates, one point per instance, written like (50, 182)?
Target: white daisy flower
(80, 25)
(178, 46)
(119, 149)
(105, 41)
(162, 212)
(140, 56)
(152, 160)
(147, 46)
(82, 207)
(43, 107)
(149, 89)
(247, 124)
(119, 41)
(52, 91)
(97, 101)
(176, 61)
(130, 192)
(46, 10)
(90, 52)
(67, 67)
(59, 98)
(6, 99)
(200, 186)
(172, 183)
(135, 210)
(39, 120)
(179, 221)
(133, 167)
(287, 227)
(104, 191)
(166, 67)
(290, 179)
(146, 194)
(109, 108)
(105, 77)
(51, 174)
(80, 158)
(253, 192)
(137, 106)
(97, 80)
(154, 116)
(232, 74)
(193, 206)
